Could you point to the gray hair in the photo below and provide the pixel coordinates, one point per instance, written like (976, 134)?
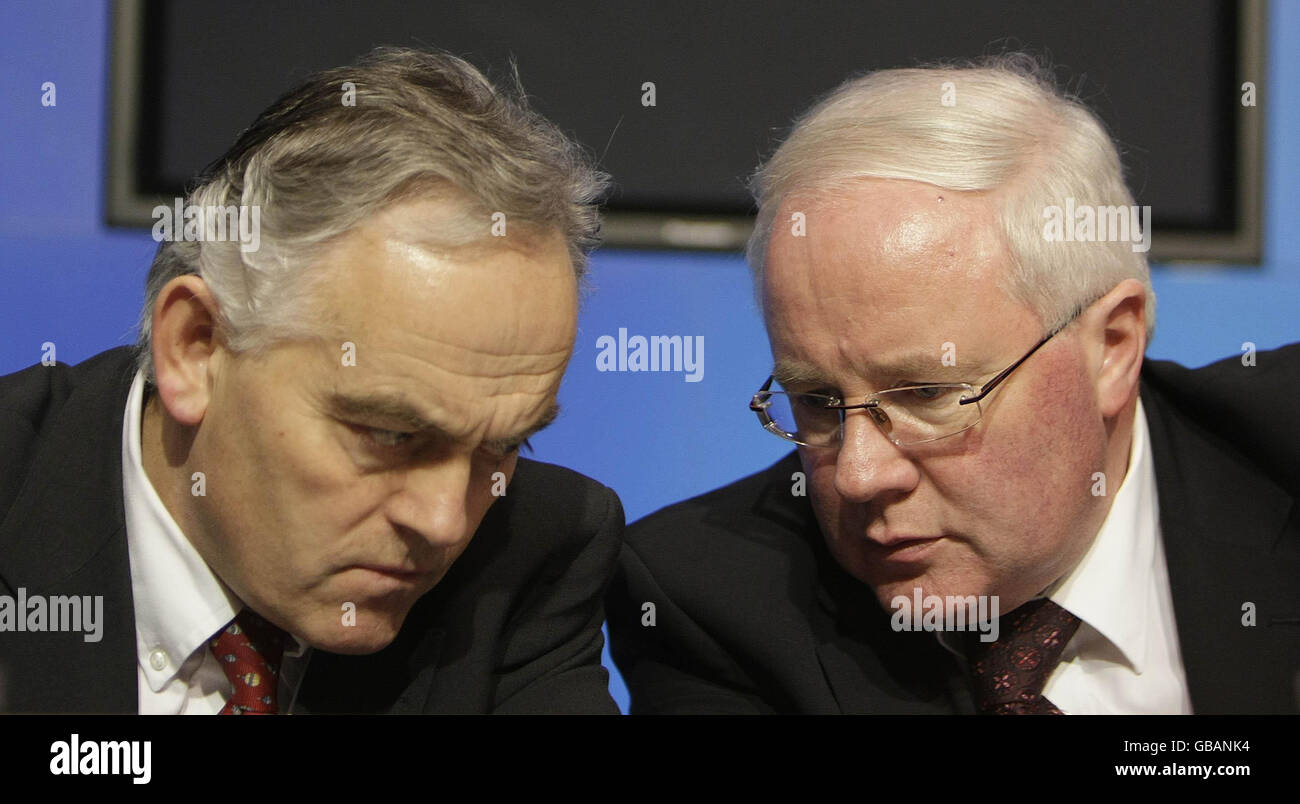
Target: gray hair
(1010, 130)
(314, 166)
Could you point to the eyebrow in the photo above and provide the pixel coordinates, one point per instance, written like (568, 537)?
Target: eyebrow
(791, 372)
(547, 417)
(398, 412)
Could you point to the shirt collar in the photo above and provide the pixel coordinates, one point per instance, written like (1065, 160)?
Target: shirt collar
(179, 602)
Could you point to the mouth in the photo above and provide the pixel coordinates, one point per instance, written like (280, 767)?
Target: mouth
(896, 547)
(398, 573)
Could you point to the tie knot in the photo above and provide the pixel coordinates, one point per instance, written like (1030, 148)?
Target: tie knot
(249, 650)
(1009, 674)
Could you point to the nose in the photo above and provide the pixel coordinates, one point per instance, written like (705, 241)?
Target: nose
(434, 501)
(868, 464)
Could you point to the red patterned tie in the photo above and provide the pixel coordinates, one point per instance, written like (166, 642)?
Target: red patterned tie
(249, 650)
(1009, 674)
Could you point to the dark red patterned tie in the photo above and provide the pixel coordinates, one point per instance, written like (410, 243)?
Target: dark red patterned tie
(1009, 674)
(250, 650)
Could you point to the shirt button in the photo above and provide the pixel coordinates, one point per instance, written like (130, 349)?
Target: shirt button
(158, 659)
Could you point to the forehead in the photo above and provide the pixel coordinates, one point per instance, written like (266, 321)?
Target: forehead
(390, 280)
(453, 327)
(887, 268)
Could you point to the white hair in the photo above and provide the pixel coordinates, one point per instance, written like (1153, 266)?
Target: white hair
(1009, 130)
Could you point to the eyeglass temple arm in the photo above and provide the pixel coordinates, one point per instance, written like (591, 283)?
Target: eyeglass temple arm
(752, 404)
(1002, 375)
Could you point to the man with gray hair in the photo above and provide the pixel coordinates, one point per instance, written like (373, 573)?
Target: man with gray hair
(983, 451)
(302, 490)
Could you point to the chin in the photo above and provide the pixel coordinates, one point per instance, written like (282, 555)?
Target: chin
(373, 631)
(889, 589)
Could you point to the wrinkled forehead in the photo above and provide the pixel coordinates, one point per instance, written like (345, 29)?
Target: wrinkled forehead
(496, 320)
(397, 274)
(474, 341)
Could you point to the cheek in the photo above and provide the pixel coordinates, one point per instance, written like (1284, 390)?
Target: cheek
(1057, 432)
(1025, 480)
(293, 470)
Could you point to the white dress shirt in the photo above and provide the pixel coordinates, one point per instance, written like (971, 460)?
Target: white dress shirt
(179, 603)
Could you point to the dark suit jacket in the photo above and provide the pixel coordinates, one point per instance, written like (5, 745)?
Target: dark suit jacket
(752, 614)
(513, 627)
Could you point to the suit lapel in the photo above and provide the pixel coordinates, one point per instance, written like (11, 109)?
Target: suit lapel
(873, 670)
(1230, 542)
(65, 535)
(852, 671)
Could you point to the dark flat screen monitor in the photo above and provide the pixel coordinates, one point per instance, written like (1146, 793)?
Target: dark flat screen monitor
(729, 78)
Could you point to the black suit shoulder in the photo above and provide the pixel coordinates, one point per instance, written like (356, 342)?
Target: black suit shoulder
(40, 400)
(1226, 450)
(532, 501)
(752, 530)
(62, 531)
(33, 393)
(712, 609)
(1244, 404)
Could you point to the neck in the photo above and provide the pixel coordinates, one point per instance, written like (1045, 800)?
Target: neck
(1119, 445)
(165, 448)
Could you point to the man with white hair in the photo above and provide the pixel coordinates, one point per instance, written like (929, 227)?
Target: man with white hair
(302, 491)
(983, 451)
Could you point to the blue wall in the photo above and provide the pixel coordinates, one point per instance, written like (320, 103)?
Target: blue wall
(66, 278)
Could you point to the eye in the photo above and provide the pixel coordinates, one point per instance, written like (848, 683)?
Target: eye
(927, 393)
(500, 452)
(386, 439)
